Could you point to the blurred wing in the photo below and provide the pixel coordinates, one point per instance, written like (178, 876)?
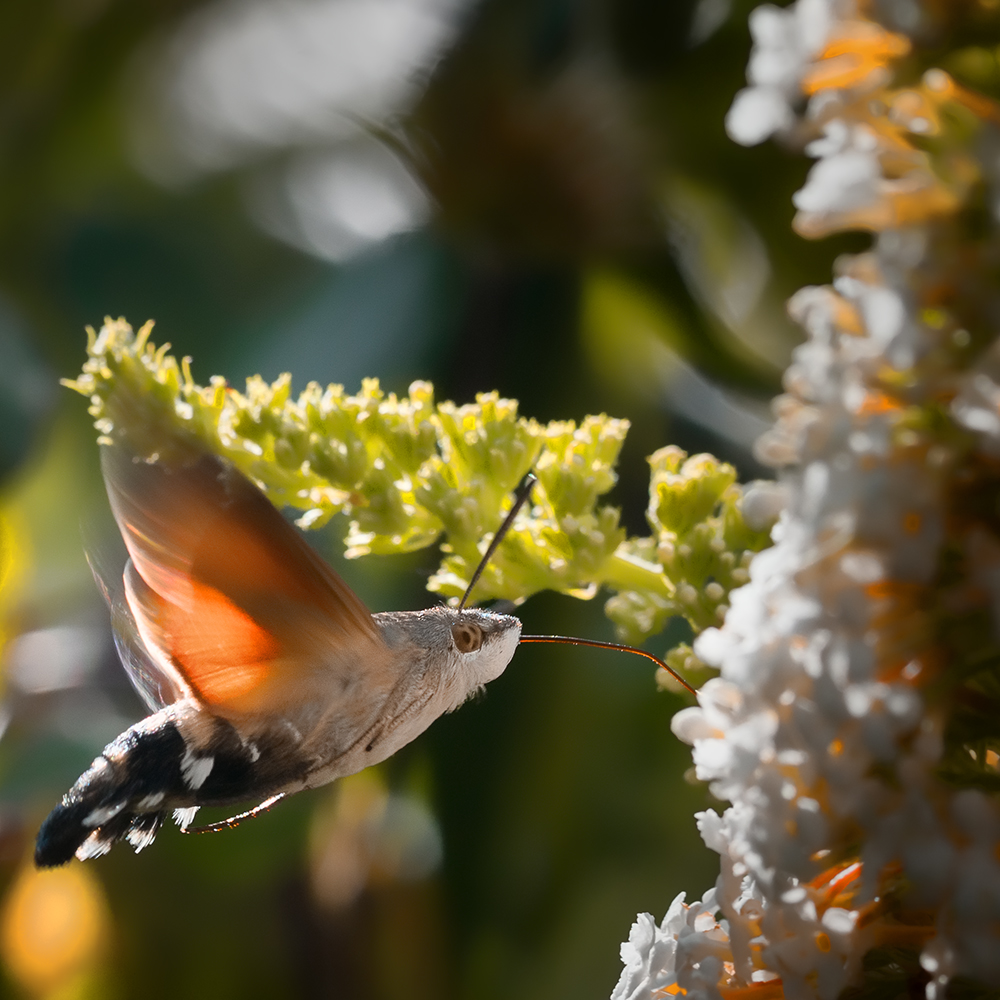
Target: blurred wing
(228, 598)
(156, 687)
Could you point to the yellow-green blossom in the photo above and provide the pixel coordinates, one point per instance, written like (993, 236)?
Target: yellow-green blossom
(408, 472)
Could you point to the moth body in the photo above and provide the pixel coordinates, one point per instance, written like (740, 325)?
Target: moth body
(277, 677)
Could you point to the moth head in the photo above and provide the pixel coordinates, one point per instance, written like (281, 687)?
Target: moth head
(475, 645)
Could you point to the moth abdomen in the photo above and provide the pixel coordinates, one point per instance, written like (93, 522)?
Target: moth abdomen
(169, 761)
(125, 786)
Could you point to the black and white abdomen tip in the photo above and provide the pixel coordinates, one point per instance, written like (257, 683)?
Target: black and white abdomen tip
(152, 769)
(118, 797)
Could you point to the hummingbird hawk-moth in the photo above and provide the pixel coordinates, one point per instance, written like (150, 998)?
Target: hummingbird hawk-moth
(265, 673)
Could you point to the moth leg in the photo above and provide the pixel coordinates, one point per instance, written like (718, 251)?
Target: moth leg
(234, 821)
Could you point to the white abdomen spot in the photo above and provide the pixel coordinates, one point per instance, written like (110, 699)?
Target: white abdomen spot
(99, 816)
(185, 817)
(195, 770)
(94, 846)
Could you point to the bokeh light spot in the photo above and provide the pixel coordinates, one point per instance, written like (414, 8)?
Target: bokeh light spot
(54, 926)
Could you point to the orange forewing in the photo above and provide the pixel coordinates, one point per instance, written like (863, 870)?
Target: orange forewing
(231, 653)
(227, 594)
(223, 655)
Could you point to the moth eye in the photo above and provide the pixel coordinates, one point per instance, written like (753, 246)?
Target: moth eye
(468, 637)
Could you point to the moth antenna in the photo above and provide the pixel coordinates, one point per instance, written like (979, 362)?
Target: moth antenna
(521, 495)
(234, 821)
(610, 645)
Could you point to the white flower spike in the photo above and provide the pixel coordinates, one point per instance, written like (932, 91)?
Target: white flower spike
(853, 728)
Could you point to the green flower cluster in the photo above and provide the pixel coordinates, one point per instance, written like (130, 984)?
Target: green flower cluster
(407, 472)
(701, 546)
